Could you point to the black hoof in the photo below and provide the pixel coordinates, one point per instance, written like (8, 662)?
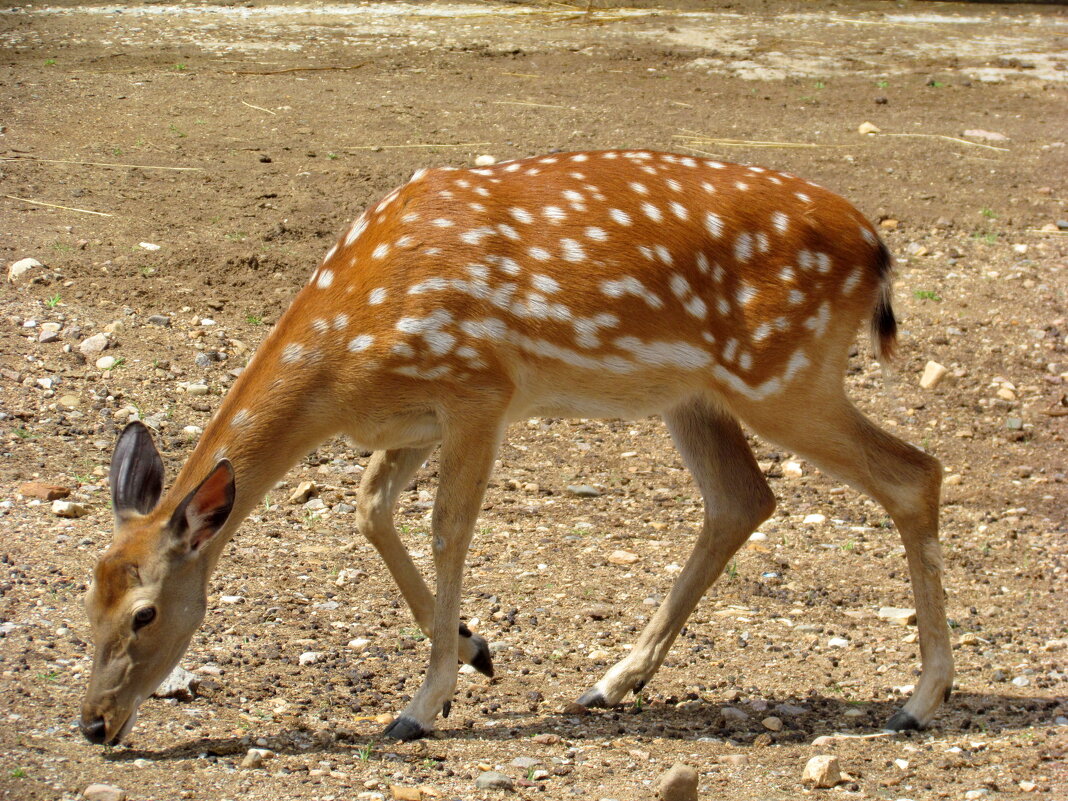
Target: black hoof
(405, 729)
(903, 721)
(482, 662)
(592, 699)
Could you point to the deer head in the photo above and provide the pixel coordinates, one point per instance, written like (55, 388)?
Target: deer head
(149, 589)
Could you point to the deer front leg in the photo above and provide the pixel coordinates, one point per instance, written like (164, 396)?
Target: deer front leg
(466, 460)
(387, 474)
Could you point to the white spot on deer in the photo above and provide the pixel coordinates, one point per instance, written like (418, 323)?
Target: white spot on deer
(596, 234)
(463, 183)
(663, 254)
(505, 264)
(628, 285)
(402, 349)
(641, 189)
(554, 214)
(743, 248)
(293, 352)
(851, 281)
(611, 154)
(521, 215)
(361, 343)
(476, 235)
(696, 307)
(680, 287)
(823, 263)
(774, 179)
(619, 216)
(780, 222)
(762, 332)
(572, 250)
(652, 212)
(587, 328)
(664, 354)
(798, 361)
(540, 254)
(380, 251)
(573, 196)
(446, 193)
(377, 296)
(769, 387)
(417, 175)
(718, 274)
(714, 224)
(442, 222)
(679, 211)
(482, 191)
(723, 306)
(673, 185)
(578, 176)
(489, 328)
(868, 235)
(242, 417)
(507, 231)
(795, 297)
(434, 284)
(802, 197)
(707, 337)
(330, 253)
(730, 349)
(484, 173)
(762, 243)
(806, 260)
(547, 160)
(580, 157)
(544, 283)
(404, 242)
(702, 263)
(646, 251)
(745, 360)
(532, 172)
(686, 161)
(817, 323)
(709, 188)
(326, 278)
(787, 274)
(479, 207)
(320, 325)
(513, 167)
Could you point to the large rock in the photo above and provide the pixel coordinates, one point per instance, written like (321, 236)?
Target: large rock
(180, 684)
(103, 792)
(492, 780)
(678, 784)
(18, 270)
(822, 771)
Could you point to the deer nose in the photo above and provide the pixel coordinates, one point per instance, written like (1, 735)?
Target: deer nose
(94, 731)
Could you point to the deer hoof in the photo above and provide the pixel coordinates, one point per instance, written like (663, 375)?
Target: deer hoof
(405, 729)
(592, 699)
(903, 721)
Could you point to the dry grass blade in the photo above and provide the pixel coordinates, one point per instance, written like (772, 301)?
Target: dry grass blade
(102, 164)
(948, 139)
(260, 108)
(709, 140)
(424, 144)
(57, 206)
(301, 69)
(527, 103)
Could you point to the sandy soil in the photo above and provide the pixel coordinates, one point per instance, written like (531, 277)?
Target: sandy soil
(261, 130)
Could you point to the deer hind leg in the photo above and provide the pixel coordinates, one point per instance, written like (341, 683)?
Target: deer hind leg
(465, 463)
(387, 474)
(737, 500)
(836, 437)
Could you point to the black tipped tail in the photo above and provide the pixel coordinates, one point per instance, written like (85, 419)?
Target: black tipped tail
(883, 322)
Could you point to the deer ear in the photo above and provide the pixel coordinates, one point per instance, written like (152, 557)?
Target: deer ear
(136, 474)
(204, 511)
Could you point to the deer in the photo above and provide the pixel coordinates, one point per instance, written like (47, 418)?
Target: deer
(604, 284)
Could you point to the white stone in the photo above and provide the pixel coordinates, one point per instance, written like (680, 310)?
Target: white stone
(359, 644)
(304, 491)
(792, 469)
(68, 509)
(192, 432)
(903, 617)
(103, 792)
(93, 346)
(180, 684)
(838, 642)
(814, 519)
(310, 657)
(196, 389)
(105, 362)
(933, 373)
(867, 128)
(822, 771)
(20, 268)
(149, 246)
(485, 160)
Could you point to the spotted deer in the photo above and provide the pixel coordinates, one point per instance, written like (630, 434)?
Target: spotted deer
(610, 284)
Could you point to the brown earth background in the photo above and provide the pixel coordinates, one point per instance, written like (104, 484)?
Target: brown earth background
(260, 130)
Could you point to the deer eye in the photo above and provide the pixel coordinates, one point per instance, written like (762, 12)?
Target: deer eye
(143, 616)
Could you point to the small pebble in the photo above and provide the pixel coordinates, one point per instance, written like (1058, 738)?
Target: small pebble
(822, 771)
(492, 780)
(678, 784)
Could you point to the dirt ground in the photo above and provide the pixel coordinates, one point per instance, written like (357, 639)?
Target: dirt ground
(261, 130)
